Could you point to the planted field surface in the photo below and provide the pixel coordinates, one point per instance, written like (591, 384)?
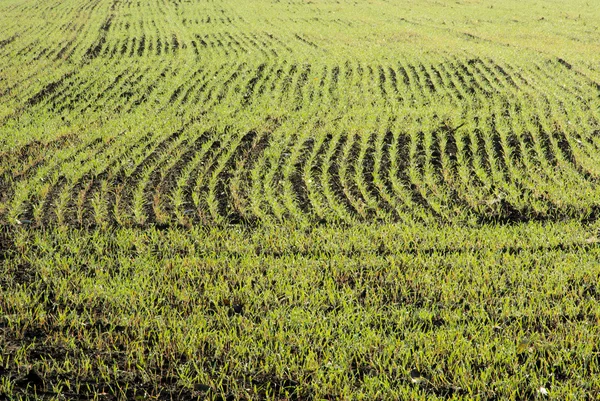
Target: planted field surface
(367, 125)
(185, 113)
(370, 312)
(450, 140)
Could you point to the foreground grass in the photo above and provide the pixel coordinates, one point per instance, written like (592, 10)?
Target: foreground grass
(368, 312)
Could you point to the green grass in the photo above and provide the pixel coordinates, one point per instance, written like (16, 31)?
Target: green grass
(299, 199)
(279, 313)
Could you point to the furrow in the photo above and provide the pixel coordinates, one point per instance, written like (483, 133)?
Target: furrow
(330, 180)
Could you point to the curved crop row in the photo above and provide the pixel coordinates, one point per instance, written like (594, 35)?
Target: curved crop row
(450, 139)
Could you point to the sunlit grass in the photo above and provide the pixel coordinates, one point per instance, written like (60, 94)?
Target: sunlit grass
(299, 199)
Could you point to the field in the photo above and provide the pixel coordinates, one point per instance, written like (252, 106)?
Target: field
(299, 200)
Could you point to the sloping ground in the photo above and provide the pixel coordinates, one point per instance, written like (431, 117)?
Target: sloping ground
(460, 139)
